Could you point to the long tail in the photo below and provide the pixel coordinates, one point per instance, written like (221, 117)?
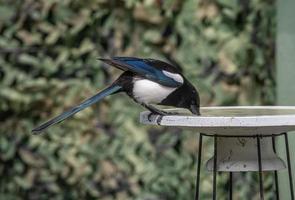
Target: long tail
(88, 102)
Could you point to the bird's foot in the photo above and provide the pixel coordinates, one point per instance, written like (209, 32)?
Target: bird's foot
(160, 115)
(152, 114)
(149, 116)
(159, 118)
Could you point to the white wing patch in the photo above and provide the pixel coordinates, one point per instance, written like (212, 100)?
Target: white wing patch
(177, 77)
(149, 92)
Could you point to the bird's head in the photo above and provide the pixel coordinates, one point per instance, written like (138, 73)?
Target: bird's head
(194, 105)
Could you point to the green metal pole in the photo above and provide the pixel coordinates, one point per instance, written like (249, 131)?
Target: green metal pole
(286, 79)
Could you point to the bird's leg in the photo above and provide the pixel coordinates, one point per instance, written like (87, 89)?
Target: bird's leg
(155, 110)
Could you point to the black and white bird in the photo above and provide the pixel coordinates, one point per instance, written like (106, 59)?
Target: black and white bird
(148, 82)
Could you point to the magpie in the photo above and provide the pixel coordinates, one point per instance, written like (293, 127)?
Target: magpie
(148, 82)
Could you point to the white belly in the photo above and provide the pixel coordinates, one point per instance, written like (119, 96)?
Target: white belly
(150, 92)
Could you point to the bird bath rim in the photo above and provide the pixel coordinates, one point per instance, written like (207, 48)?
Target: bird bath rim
(260, 120)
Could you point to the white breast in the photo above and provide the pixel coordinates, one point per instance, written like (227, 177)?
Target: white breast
(148, 92)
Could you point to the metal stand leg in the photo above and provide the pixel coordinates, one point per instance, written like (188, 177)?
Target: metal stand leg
(259, 156)
(260, 169)
(214, 168)
(199, 167)
(275, 172)
(289, 166)
(230, 185)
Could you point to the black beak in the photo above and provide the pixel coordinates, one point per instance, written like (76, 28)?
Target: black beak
(195, 109)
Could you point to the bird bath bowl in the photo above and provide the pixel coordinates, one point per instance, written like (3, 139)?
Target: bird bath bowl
(244, 136)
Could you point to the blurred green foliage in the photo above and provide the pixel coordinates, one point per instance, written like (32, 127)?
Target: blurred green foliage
(48, 63)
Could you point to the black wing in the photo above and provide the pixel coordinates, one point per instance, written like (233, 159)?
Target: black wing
(149, 68)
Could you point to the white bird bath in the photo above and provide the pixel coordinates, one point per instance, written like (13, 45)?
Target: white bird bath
(240, 132)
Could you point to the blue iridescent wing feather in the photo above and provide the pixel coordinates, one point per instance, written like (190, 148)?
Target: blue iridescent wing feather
(145, 68)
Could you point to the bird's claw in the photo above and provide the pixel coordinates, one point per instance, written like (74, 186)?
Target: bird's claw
(149, 116)
(160, 116)
(159, 119)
